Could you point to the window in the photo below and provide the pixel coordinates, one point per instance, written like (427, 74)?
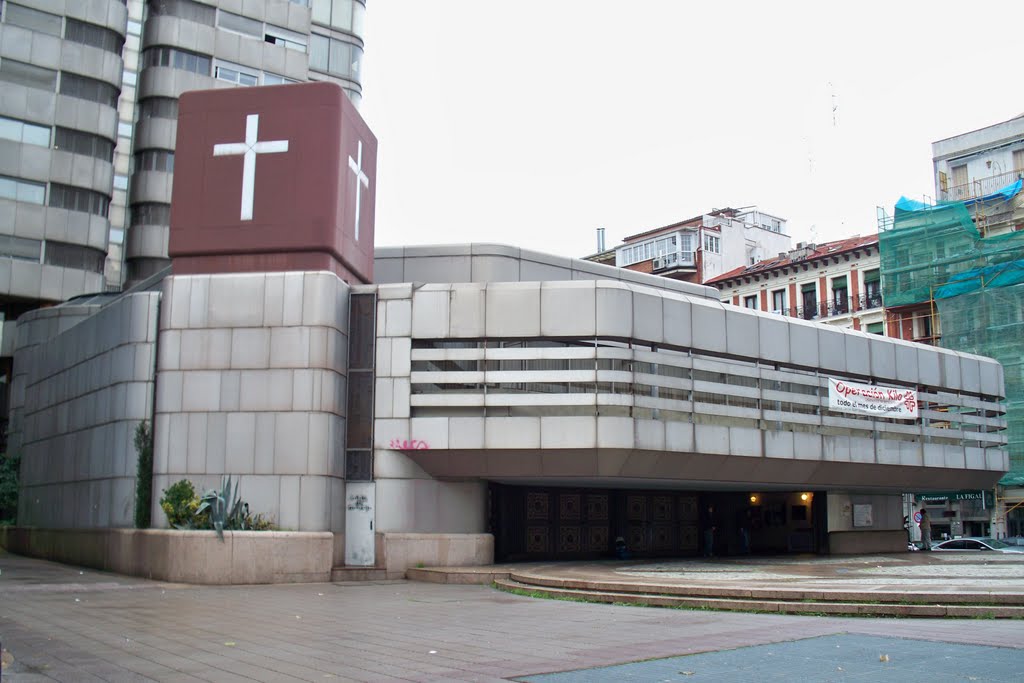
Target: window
(27, 74)
(176, 59)
(85, 88)
(276, 35)
(840, 298)
(32, 19)
(77, 142)
(713, 244)
(779, 301)
(1018, 160)
(235, 73)
(73, 256)
(93, 35)
(344, 15)
(22, 190)
(809, 296)
(274, 79)
(151, 214)
(335, 56)
(20, 248)
(155, 160)
(872, 289)
(158, 108)
(78, 199)
(750, 301)
(876, 328)
(22, 131)
(183, 9)
(244, 25)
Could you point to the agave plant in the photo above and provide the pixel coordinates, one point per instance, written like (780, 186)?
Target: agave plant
(225, 507)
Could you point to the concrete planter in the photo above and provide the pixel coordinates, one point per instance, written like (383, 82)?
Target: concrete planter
(243, 557)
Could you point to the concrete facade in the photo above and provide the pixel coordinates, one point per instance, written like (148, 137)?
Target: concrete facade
(256, 390)
(84, 380)
(574, 381)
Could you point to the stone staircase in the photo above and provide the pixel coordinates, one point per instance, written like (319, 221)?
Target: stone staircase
(549, 582)
(775, 600)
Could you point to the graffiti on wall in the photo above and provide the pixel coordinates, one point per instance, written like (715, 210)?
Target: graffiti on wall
(409, 445)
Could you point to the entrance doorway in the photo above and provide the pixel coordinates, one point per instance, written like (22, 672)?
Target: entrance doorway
(546, 523)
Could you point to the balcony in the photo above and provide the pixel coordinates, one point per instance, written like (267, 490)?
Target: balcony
(979, 187)
(679, 259)
(869, 301)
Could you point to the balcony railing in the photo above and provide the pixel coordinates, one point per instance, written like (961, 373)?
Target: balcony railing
(979, 187)
(868, 301)
(834, 307)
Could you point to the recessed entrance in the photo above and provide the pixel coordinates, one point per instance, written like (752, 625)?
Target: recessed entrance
(532, 523)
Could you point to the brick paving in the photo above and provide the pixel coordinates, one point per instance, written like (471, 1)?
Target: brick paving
(60, 623)
(845, 657)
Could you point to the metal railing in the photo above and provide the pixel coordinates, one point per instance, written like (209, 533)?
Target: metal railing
(979, 187)
(868, 301)
(834, 307)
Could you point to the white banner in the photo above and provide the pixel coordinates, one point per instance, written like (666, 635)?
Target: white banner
(864, 399)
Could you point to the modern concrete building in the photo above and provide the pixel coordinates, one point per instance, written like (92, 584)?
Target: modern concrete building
(87, 121)
(549, 404)
(454, 404)
(837, 283)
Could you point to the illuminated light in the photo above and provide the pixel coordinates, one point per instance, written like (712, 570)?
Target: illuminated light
(803, 496)
(753, 499)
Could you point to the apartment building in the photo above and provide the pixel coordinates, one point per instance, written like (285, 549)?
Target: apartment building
(700, 248)
(838, 283)
(88, 110)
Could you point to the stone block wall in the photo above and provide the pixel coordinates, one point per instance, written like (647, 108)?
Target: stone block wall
(251, 383)
(85, 383)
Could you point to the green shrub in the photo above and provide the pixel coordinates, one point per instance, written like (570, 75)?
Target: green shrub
(216, 509)
(181, 505)
(9, 466)
(144, 475)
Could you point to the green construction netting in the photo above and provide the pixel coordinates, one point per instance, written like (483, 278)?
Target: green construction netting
(989, 322)
(936, 252)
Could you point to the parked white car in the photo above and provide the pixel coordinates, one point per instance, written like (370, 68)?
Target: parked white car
(977, 545)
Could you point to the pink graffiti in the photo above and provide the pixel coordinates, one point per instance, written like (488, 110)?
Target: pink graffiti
(409, 445)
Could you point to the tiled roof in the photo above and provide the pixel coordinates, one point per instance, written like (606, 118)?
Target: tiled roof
(819, 251)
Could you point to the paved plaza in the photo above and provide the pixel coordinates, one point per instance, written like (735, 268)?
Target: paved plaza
(68, 624)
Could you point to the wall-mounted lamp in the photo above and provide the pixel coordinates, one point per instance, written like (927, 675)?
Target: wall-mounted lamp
(804, 496)
(753, 498)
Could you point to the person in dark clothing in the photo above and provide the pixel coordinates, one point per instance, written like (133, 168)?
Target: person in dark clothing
(709, 532)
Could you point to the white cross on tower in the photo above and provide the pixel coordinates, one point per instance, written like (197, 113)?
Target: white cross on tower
(356, 166)
(249, 149)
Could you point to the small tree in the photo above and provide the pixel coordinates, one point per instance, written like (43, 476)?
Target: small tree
(144, 475)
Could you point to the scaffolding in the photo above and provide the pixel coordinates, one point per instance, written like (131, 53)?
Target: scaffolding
(962, 265)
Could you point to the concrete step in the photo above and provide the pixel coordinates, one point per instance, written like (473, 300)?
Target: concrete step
(457, 575)
(358, 574)
(874, 604)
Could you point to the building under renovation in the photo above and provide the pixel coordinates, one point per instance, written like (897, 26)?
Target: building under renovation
(953, 276)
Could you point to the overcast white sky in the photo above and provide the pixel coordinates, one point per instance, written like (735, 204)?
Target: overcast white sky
(533, 123)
